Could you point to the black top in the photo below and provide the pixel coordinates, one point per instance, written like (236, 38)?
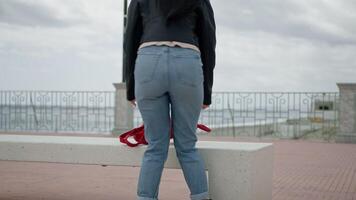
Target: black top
(144, 24)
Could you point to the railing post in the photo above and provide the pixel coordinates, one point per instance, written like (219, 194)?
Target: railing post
(123, 118)
(347, 113)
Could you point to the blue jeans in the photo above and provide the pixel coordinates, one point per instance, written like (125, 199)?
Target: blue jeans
(169, 85)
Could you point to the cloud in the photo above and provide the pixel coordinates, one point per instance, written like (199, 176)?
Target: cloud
(261, 61)
(37, 13)
(81, 50)
(262, 45)
(318, 21)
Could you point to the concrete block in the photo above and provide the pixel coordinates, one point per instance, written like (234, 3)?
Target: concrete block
(236, 170)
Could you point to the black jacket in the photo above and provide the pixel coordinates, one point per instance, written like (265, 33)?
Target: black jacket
(144, 23)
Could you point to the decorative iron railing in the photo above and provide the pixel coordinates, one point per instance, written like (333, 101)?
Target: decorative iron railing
(273, 114)
(57, 111)
(258, 114)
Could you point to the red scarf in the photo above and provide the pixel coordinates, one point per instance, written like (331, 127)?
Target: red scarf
(139, 136)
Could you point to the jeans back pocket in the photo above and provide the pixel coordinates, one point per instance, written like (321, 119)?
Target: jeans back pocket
(145, 67)
(189, 69)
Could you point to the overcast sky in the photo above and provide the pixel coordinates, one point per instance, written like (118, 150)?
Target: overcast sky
(262, 45)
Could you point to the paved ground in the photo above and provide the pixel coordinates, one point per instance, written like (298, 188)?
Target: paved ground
(303, 170)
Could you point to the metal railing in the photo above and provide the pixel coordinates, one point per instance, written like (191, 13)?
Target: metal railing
(273, 114)
(57, 111)
(257, 114)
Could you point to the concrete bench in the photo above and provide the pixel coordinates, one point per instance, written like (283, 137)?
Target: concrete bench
(236, 170)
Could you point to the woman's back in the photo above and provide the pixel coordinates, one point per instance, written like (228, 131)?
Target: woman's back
(185, 21)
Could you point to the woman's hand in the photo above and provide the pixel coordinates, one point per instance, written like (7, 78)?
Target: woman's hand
(205, 106)
(133, 102)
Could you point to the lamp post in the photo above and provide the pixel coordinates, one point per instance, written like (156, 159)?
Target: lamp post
(124, 114)
(123, 53)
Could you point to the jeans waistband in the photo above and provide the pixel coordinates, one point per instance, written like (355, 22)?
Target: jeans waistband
(155, 49)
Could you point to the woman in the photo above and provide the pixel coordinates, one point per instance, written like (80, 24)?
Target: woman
(169, 49)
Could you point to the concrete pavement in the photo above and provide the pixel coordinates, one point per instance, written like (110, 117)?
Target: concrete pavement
(303, 170)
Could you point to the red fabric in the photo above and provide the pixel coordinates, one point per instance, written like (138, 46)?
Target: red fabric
(139, 136)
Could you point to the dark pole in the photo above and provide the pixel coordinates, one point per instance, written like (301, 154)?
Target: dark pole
(123, 57)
